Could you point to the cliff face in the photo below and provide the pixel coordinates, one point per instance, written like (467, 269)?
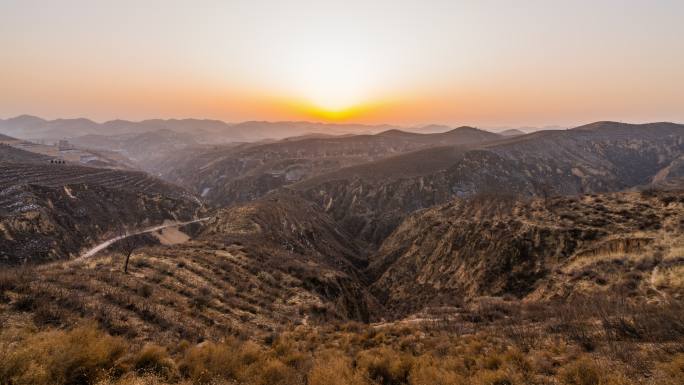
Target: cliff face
(530, 249)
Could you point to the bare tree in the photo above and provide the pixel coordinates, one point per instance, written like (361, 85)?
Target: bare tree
(127, 244)
(547, 191)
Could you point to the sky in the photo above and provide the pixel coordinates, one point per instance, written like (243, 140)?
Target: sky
(483, 63)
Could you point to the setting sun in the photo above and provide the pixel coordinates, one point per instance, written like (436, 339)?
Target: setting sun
(446, 62)
(333, 74)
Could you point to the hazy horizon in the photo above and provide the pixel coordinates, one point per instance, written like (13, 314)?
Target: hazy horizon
(406, 63)
(494, 128)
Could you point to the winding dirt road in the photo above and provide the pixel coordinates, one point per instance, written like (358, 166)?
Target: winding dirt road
(94, 250)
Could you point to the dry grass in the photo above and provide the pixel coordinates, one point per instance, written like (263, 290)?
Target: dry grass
(333, 355)
(192, 291)
(671, 278)
(80, 356)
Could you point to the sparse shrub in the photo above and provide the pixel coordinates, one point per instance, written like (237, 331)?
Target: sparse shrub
(672, 373)
(274, 372)
(492, 362)
(48, 315)
(202, 298)
(442, 349)
(544, 363)
(12, 278)
(334, 368)
(144, 290)
(210, 361)
(79, 356)
(287, 351)
(157, 277)
(588, 372)
(428, 371)
(249, 353)
(26, 302)
(385, 366)
(141, 263)
(523, 336)
(517, 360)
(153, 359)
(498, 377)
(133, 379)
(230, 360)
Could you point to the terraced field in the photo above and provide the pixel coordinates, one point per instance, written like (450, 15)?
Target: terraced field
(52, 211)
(195, 291)
(17, 155)
(53, 175)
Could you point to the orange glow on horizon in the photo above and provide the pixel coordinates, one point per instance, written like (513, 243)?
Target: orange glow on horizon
(404, 63)
(354, 113)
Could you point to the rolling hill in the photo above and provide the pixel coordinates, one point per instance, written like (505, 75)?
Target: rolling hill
(371, 199)
(242, 173)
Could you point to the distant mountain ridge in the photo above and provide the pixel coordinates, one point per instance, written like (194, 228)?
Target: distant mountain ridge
(204, 130)
(207, 130)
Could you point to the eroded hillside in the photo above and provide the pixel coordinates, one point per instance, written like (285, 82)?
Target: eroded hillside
(536, 249)
(254, 268)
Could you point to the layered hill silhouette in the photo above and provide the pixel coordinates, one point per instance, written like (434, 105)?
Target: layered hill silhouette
(205, 130)
(241, 173)
(141, 148)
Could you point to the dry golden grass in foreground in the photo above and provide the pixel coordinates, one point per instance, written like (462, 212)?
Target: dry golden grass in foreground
(506, 351)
